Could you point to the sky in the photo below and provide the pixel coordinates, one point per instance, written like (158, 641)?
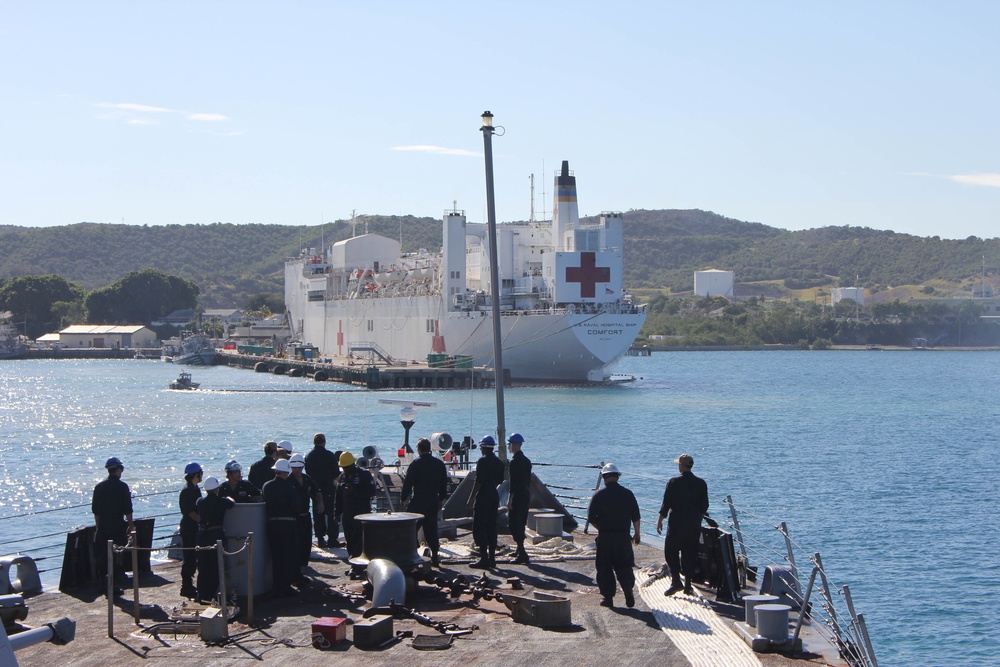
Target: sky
(793, 114)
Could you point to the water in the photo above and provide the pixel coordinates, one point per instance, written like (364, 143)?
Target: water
(884, 462)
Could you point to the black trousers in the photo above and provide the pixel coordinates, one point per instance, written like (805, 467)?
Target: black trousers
(117, 533)
(517, 515)
(325, 523)
(189, 538)
(484, 521)
(281, 542)
(208, 565)
(614, 559)
(428, 506)
(303, 542)
(681, 546)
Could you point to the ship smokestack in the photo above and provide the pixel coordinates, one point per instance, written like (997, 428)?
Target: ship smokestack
(565, 214)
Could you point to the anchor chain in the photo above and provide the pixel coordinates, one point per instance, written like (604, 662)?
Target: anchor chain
(401, 612)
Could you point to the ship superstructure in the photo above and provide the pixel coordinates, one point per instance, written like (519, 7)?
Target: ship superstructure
(564, 314)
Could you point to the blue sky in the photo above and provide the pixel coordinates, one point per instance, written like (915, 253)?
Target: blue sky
(796, 115)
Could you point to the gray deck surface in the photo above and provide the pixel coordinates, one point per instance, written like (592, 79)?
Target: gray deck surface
(282, 632)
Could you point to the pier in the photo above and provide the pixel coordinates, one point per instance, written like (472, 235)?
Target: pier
(349, 371)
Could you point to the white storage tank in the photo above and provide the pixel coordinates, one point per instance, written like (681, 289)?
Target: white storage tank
(713, 282)
(856, 293)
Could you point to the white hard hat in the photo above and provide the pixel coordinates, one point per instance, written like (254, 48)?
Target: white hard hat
(287, 446)
(297, 461)
(281, 465)
(211, 484)
(610, 469)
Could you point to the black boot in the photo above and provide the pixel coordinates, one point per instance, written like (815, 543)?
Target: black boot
(521, 556)
(188, 590)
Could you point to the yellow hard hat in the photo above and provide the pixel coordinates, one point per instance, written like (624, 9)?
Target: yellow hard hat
(347, 459)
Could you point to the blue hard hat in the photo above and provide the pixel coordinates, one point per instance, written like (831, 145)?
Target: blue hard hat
(113, 462)
(192, 468)
(487, 441)
(516, 437)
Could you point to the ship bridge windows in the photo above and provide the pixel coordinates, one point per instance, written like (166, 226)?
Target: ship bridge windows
(316, 294)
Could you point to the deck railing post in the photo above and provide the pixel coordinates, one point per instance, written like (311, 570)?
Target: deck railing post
(110, 592)
(859, 630)
(804, 609)
(135, 576)
(736, 526)
(220, 553)
(250, 580)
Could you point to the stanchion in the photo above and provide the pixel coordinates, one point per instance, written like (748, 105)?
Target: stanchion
(223, 603)
(250, 580)
(135, 576)
(110, 576)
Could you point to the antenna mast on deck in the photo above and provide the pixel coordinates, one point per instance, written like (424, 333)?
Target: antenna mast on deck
(532, 179)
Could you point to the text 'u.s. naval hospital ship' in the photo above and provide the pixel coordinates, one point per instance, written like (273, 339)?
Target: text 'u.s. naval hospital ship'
(564, 314)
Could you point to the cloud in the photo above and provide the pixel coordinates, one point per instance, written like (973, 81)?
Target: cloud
(207, 116)
(437, 150)
(142, 108)
(989, 180)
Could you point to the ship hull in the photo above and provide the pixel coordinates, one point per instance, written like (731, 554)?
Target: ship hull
(539, 347)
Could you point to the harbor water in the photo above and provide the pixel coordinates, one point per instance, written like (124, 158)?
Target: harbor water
(885, 463)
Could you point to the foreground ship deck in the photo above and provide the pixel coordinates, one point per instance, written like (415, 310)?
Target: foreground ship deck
(685, 630)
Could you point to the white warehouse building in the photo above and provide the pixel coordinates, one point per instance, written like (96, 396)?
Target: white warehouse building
(856, 293)
(713, 282)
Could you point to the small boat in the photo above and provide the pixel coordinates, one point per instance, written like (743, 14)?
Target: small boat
(184, 381)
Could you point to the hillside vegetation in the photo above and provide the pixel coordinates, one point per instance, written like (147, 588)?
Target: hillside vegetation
(663, 248)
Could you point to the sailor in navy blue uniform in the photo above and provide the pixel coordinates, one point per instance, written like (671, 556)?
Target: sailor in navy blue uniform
(355, 490)
(188, 501)
(614, 511)
(308, 493)
(686, 501)
(237, 488)
(262, 471)
(211, 513)
(112, 508)
(427, 481)
(282, 507)
(520, 496)
(489, 475)
(324, 468)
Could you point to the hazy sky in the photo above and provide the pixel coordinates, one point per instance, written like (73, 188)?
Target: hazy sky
(793, 114)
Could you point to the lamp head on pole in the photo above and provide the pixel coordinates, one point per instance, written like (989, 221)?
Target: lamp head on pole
(487, 120)
(408, 415)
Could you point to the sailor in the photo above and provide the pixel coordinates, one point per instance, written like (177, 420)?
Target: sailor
(613, 511)
(211, 512)
(189, 527)
(686, 501)
(281, 500)
(324, 468)
(520, 497)
(237, 488)
(262, 471)
(307, 491)
(284, 450)
(355, 490)
(489, 475)
(427, 481)
(112, 508)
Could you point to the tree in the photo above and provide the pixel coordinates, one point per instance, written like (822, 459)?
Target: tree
(30, 299)
(141, 297)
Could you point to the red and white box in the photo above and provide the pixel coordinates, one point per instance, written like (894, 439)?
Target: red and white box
(328, 631)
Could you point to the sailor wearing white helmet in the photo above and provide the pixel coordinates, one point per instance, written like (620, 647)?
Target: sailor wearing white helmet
(237, 488)
(281, 500)
(307, 491)
(613, 510)
(211, 510)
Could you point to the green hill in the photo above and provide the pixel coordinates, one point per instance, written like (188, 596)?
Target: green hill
(663, 248)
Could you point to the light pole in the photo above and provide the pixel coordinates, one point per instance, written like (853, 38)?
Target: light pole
(495, 291)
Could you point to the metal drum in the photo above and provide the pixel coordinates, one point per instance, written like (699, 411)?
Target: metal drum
(390, 536)
(242, 519)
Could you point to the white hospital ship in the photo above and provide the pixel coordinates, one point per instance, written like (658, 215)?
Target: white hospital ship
(564, 314)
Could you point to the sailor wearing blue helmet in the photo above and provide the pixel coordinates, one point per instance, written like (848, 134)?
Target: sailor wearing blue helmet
(520, 497)
(189, 527)
(489, 475)
(112, 508)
